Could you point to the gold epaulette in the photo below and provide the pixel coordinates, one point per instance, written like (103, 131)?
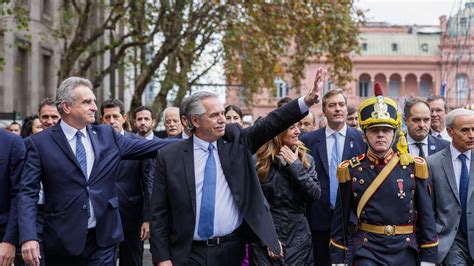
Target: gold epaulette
(343, 174)
(421, 168)
(355, 161)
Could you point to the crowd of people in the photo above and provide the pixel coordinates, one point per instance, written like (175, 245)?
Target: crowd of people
(349, 187)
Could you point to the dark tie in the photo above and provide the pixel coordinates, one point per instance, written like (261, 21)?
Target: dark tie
(420, 148)
(81, 153)
(463, 188)
(208, 198)
(82, 159)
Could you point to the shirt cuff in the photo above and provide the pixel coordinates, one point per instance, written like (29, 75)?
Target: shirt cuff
(303, 107)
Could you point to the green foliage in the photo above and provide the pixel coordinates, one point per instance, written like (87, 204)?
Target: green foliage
(264, 40)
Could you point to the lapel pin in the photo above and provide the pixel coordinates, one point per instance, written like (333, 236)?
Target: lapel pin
(432, 147)
(351, 144)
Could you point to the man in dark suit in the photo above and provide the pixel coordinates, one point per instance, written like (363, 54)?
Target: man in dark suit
(145, 122)
(322, 144)
(417, 117)
(134, 199)
(438, 109)
(77, 163)
(206, 191)
(12, 155)
(451, 172)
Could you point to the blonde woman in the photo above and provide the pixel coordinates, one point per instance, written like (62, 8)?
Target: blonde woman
(288, 179)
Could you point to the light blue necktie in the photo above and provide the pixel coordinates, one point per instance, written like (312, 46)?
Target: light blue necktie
(333, 182)
(208, 198)
(81, 153)
(463, 188)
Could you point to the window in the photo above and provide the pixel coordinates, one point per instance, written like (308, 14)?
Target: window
(22, 76)
(394, 88)
(281, 88)
(462, 87)
(394, 47)
(364, 46)
(364, 88)
(425, 88)
(47, 74)
(47, 8)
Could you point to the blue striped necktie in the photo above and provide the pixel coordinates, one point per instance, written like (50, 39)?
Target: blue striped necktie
(463, 188)
(333, 181)
(208, 198)
(81, 153)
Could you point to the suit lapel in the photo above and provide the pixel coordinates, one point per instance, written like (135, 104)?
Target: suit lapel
(60, 139)
(322, 150)
(348, 145)
(188, 162)
(432, 145)
(95, 146)
(449, 173)
(471, 177)
(223, 150)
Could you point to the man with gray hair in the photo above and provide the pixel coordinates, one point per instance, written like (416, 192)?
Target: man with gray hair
(207, 197)
(451, 172)
(77, 163)
(172, 121)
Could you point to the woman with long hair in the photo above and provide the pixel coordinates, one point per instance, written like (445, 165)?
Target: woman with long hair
(233, 114)
(288, 178)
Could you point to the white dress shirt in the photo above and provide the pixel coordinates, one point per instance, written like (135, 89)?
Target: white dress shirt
(413, 149)
(330, 142)
(457, 164)
(444, 134)
(227, 217)
(150, 136)
(70, 134)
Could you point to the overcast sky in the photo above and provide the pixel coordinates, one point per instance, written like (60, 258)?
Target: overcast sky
(409, 12)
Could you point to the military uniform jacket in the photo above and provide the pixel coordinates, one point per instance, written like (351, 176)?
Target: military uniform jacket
(402, 199)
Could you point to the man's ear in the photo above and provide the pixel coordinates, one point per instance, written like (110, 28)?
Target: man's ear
(195, 121)
(66, 107)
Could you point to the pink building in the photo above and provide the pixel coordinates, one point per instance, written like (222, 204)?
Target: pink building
(406, 60)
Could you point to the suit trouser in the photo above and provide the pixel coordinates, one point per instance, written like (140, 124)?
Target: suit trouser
(131, 249)
(93, 255)
(229, 253)
(321, 248)
(458, 254)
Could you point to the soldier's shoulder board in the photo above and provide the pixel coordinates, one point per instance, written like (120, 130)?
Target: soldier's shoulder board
(421, 168)
(343, 174)
(355, 161)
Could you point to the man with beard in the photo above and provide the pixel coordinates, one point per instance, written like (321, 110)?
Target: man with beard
(145, 122)
(417, 119)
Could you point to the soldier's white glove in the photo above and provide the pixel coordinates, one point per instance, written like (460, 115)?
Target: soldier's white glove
(424, 263)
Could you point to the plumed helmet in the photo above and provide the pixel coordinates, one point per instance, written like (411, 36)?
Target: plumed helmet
(379, 111)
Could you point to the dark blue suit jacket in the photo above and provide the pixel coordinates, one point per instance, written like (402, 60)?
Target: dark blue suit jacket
(434, 144)
(133, 179)
(51, 160)
(319, 213)
(12, 155)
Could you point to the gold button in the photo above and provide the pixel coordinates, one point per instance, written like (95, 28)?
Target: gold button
(410, 212)
(355, 194)
(360, 169)
(413, 192)
(354, 179)
(409, 221)
(363, 212)
(408, 239)
(366, 240)
(372, 166)
(412, 175)
(361, 181)
(404, 167)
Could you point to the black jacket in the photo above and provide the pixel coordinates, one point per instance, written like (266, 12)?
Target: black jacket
(288, 190)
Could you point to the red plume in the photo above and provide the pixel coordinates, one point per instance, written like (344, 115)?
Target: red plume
(377, 89)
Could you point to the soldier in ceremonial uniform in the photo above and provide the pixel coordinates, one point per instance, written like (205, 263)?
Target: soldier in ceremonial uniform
(383, 204)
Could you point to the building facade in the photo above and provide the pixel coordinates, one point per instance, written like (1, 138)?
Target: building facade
(406, 60)
(31, 59)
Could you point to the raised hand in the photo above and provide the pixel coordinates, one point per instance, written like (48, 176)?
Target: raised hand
(313, 95)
